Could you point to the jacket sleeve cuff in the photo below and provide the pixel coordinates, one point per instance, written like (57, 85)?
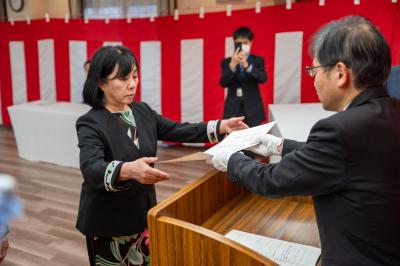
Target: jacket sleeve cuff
(111, 175)
(232, 174)
(291, 145)
(213, 134)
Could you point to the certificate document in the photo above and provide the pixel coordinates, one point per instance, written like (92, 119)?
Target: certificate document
(282, 252)
(239, 140)
(235, 141)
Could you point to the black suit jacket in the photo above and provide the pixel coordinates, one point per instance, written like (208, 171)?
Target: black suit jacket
(350, 165)
(101, 141)
(251, 100)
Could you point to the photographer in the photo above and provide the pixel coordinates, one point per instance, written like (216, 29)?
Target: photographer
(241, 73)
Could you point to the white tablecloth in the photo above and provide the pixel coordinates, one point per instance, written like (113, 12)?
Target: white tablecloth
(294, 121)
(46, 131)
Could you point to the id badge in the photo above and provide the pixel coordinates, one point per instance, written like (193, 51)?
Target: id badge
(239, 92)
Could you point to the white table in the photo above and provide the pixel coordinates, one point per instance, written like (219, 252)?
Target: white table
(46, 132)
(294, 121)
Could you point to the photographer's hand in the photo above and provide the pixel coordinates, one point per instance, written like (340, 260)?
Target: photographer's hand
(235, 59)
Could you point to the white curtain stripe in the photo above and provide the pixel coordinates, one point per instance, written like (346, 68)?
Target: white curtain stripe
(77, 57)
(18, 72)
(192, 80)
(47, 77)
(112, 43)
(229, 46)
(229, 49)
(287, 74)
(150, 74)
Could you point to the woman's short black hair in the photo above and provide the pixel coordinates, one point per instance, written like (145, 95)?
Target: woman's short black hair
(102, 65)
(357, 43)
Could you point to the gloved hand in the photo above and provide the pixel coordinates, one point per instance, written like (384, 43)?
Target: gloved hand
(220, 160)
(267, 145)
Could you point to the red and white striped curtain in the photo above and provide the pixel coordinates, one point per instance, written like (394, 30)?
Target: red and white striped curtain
(179, 59)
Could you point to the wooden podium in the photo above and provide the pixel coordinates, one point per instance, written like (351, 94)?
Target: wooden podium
(188, 228)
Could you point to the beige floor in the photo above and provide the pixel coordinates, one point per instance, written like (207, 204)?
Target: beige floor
(46, 235)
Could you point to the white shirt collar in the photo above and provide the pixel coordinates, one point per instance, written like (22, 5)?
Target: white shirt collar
(347, 105)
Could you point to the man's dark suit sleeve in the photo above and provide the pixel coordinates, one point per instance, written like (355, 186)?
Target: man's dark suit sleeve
(226, 74)
(258, 70)
(291, 145)
(317, 168)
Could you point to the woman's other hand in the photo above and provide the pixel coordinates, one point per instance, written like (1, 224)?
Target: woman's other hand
(232, 124)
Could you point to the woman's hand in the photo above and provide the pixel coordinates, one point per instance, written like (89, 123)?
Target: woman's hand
(232, 124)
(141, 171)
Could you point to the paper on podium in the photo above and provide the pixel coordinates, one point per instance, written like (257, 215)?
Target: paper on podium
(282, 252)
(235, 141)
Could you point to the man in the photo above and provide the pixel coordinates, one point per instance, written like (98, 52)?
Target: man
(349, 163)
(241, 74)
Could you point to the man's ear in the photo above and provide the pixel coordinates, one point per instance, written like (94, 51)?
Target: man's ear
(343, 75)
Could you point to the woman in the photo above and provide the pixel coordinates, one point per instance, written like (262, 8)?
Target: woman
(118, 144)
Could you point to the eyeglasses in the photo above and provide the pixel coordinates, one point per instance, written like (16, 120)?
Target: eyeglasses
(311, 70)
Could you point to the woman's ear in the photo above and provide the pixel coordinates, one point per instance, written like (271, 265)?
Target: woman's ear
(102, 85)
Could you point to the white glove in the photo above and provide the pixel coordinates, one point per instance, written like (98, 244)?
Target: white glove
(220, 160)
(267, 145)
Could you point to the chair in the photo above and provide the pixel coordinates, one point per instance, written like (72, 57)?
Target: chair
(393, 82)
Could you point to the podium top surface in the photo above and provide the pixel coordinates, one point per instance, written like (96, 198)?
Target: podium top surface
(286, 219)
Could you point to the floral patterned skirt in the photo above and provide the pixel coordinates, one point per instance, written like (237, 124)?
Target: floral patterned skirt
(119, 251)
